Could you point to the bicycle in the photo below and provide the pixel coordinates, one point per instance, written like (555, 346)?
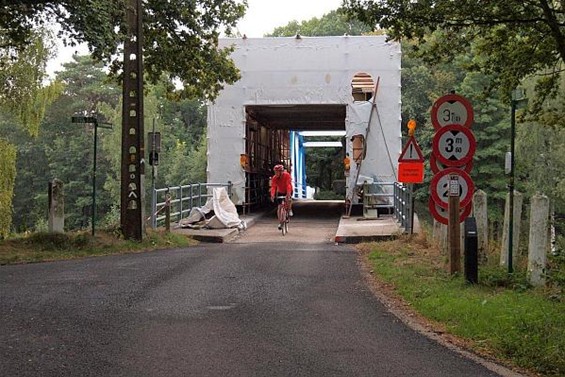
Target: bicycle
(282, 214)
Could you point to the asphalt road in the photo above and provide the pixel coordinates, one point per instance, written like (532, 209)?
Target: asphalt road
(282, 308)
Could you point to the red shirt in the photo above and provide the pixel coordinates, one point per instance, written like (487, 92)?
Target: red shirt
(282, 184)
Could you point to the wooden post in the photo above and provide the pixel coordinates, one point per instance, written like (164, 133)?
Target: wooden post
(453, 226)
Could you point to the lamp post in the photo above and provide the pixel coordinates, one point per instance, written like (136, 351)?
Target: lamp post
(94, 121)
(517, 99)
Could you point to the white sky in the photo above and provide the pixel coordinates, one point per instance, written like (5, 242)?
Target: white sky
(261, 18)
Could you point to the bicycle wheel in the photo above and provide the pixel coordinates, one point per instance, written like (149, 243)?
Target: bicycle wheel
(281, 215)
(285, 226)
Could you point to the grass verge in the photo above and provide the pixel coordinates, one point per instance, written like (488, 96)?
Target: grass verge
(501, 317)
(41, 247)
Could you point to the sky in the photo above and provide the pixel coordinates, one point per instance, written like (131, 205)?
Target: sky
(261, 18)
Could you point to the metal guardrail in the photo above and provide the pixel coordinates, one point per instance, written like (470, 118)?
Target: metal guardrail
(181, 200)
(378, 195)
(403, 208)
(390, 195)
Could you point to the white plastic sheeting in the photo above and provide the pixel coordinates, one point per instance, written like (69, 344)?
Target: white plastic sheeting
(309, 70)
(225, 213)
(383, 146)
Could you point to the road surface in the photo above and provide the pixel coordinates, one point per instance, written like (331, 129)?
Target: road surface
(297, 307)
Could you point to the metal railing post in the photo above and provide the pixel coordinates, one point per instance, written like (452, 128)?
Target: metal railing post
(199, 194)
(154, 208)
(168, 213)
(181, 206)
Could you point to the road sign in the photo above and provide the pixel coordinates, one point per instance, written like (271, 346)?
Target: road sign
(454, 145)
(411, 172)
(411, 152)
(439, 187)
(442, 215)
(452, 109)
(437, 166)
(83, 119)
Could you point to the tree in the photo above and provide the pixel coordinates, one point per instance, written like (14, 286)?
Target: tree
(331, 24)
(512, 38)
(180, 36)
(24, 98)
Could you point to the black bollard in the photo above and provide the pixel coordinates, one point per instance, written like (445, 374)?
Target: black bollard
(471, 251)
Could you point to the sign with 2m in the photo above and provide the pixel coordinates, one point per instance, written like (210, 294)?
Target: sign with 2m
(440, 187)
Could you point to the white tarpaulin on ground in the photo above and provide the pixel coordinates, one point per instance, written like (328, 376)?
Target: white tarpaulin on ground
(225, 213)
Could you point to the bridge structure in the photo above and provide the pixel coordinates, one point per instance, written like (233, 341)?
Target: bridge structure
(294, 85)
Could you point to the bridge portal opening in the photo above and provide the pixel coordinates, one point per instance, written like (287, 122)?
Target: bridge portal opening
(278, 134)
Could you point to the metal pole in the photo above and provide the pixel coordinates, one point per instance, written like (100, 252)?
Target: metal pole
(511, 185)
(453, 225)
(94, 177)
(411, 214)
(153, 194)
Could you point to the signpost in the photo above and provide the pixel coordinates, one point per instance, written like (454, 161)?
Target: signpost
(451, 188)
(411, 163)
(453, 225)
(94, 121)
(411, 169)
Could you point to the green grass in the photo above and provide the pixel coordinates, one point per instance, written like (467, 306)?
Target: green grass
(40, 247)
(501, 316)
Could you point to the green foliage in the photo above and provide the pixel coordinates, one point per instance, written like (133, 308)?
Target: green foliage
(502, 315)
(40, 246)
(182, 35)
(512, 39)
(7, 178)
(332, 23)
(23, 98)
(328, 195)
(21, 81)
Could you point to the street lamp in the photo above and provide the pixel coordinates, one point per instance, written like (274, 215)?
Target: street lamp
(92, 120)
(518, 100)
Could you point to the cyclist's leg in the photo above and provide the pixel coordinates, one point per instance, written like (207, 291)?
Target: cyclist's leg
(290, 207)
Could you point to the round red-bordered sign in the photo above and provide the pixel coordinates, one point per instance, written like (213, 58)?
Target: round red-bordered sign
(437, 166)
(439, 187)
(454, 145)
(442, 215)
(452, 109)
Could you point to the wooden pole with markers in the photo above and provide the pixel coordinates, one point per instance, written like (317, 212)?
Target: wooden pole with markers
(453, 226)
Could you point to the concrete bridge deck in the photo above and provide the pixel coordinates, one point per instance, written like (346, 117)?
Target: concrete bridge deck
(354, 229)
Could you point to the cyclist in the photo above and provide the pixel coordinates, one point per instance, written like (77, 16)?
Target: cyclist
(281, 185)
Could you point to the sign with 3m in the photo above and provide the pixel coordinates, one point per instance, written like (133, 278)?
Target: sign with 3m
(454, 145)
